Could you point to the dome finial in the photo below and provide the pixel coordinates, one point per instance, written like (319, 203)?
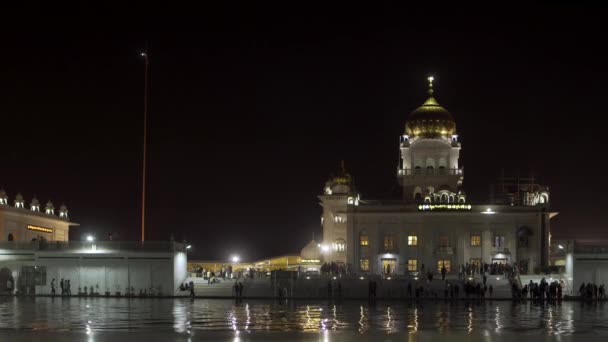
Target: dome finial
(431, 79)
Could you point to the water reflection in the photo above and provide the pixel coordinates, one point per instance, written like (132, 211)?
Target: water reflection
(184, 316)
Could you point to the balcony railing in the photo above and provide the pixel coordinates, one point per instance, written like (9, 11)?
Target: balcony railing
(429, 172)
(444, 250)
(390, 250)
(102, 246)
(503, 250)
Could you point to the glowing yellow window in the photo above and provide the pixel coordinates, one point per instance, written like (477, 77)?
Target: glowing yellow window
(388, 242)
(412, 240)
(412, 264)
(364, 264)
(444, 263)
(475, 240)
(363, 240)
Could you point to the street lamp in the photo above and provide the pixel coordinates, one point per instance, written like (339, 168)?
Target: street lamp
(235, 259)
(560, 246)
(189, 246)
(90, 238)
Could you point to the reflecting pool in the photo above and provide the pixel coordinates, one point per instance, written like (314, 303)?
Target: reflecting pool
(119, 319)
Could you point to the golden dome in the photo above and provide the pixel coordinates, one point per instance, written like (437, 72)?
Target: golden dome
(430, 120)
(342, 177)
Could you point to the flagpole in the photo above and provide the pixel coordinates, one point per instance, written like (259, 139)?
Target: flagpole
(145, 143)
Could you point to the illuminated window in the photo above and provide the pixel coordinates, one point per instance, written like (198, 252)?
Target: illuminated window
(475, 240)
(412, 240)
(412, 264)
(444, 263)
(444, 241)
(340, 245)
(388, 242)
(363, 240)
(364, 264)
(499, 241)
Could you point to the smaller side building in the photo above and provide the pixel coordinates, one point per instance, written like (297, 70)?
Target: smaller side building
(586, 261)
(114, 267)
(21, 222)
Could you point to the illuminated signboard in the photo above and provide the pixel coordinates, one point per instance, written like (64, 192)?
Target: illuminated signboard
(311, 261)
(40, 229)
(444, 207)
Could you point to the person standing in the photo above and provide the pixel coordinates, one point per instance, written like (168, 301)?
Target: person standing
(62, 285)
(68, 288)
(443, 272)
(9, 286)
(53, 287)
(191, 286)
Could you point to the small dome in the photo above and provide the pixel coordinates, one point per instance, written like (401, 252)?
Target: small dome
(311, 251)
(430, 120)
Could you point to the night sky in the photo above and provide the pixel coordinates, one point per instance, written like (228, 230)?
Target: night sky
(251, 111)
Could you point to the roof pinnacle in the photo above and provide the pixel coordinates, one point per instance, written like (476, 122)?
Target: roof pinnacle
(431, 79)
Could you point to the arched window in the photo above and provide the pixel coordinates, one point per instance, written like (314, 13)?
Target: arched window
(340, 245)
(442, 163)
(444, 198)
(417, 197)
(11, 237)
(363, 238)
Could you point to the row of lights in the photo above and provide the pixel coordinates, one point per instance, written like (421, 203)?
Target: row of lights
(91, 238)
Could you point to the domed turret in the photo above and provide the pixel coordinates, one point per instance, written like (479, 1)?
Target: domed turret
(430, 120)
(339, 183)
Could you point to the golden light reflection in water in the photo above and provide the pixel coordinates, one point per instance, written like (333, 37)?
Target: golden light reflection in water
(443, 321)
(313, 322)
(497, 320)
(362, 320)
(550, 323)
(470, 320)
(412, 327)
(390, 323)
(248, 314)
(335, 325)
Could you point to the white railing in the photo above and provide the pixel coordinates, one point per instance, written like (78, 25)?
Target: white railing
(429, 172)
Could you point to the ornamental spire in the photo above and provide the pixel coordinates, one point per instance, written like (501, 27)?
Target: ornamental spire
(431, 79)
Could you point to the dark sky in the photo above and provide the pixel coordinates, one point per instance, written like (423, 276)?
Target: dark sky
(251, 110)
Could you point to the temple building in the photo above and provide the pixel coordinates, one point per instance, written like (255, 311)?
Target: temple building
(21, 223)
(433, 225)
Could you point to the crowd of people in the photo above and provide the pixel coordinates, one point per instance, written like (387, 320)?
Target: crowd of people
(65, 285)
(541, 291)
(333, 268)
(591, 291)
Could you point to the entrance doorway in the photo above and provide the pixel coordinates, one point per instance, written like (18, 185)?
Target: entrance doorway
(388, 266)
(500, 260)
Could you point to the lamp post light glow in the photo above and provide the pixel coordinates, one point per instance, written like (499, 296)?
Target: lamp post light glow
(235, 259)
(90, 238)
(189, 246)
(560, 246)
(488, 212)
